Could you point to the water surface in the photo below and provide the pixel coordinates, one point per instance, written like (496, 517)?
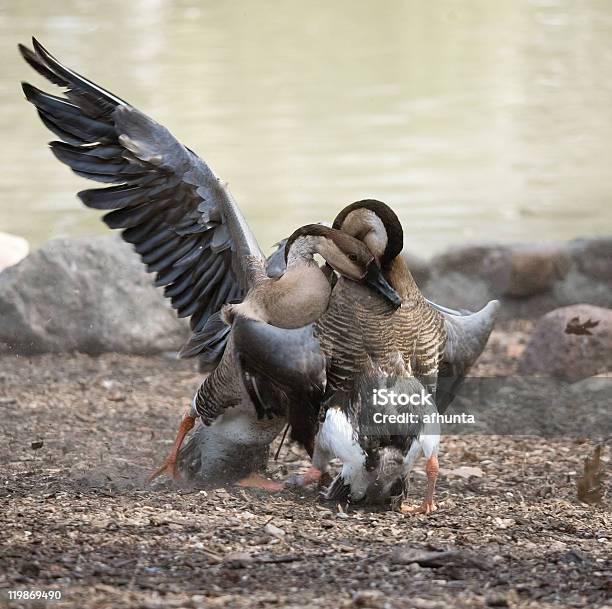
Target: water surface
(473, 119)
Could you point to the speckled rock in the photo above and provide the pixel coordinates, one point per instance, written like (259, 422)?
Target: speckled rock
(553, 351)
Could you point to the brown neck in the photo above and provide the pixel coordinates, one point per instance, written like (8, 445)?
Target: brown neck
(400, 278)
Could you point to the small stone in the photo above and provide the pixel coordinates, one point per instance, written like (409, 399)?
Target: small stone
(372, 599)
(238, 560)
(497, 600)
(274, 531)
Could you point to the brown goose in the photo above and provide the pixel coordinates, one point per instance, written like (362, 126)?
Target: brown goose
(360, 332)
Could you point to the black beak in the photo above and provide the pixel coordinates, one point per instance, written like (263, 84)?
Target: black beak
(375, 279)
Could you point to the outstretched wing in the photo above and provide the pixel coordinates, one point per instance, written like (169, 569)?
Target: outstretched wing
(466, 337)
(177, 213)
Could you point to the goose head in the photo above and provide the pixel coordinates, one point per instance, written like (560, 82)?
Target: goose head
(385, 473)
(377, 225)
(348, 256)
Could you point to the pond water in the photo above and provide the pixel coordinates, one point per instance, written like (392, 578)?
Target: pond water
(473, 119)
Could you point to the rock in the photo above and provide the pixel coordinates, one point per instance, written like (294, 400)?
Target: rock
(370, 599)
(552, 351)
(497, 600)
(593, 257)
(530, 279)
(90, 295)
(238, 560)
(536, 268)
(12, 249)
(274, 531)
(490, 262)
(458, 291)
(592, 385)
(578, 287)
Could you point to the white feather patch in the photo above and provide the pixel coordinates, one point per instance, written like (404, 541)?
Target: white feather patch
(337, 437)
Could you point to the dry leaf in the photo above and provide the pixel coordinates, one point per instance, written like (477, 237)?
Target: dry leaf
(575, 327)
(590, 484)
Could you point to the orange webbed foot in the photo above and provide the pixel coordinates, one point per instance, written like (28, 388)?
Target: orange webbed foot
(169, 465)
(427, 507)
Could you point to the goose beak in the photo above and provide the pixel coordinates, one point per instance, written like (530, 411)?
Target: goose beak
(375, 279)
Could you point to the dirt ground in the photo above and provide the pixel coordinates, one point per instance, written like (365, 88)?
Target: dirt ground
(79, 435)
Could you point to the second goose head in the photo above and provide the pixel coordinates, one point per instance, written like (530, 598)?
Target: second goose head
(347, 255)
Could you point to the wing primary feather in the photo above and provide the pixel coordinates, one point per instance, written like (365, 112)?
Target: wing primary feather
(73, 78)
(34, 62)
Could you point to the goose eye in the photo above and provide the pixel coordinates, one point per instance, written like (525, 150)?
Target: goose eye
(352, 257)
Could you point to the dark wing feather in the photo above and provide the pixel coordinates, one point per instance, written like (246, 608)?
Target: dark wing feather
(282, 363)
(179, 216)
(466, 337)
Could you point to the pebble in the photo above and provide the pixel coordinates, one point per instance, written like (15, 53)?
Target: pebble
(274, 531)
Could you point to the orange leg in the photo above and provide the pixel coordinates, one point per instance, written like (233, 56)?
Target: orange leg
(428, 504)
(169, 465)
(256, 481)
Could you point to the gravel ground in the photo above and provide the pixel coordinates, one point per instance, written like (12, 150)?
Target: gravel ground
(80, 434)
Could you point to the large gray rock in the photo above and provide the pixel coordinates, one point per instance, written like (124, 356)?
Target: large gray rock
(552, 351)
(535, 268)
(593, 257)
(90, 295)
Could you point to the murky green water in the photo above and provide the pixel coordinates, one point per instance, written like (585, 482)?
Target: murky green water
(473, 119)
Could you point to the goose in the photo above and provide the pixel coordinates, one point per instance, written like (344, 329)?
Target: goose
(378, 437)
(244, 402)
(439, 344)
(183, 221)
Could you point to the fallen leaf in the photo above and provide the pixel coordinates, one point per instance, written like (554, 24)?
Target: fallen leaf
(581, 329)
(589, 486)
